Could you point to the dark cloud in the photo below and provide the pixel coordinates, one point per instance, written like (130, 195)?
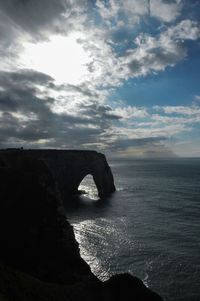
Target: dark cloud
(33, 21)
(19, 90)
(30, 20)
(82, 89)
(158, 59)
(135, 66)
(121, 144)
(29, 100)
(102, 111)
(25, 77)
(27, 117)
(166, 57)
(8, 31)
(151, 147)
(162, 153)
(36, 16)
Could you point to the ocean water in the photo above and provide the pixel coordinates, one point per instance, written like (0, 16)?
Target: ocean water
(150, 227)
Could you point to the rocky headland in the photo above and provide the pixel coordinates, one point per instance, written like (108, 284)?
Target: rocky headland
(39, 256)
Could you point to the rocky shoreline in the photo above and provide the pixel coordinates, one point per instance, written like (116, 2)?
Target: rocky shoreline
(39, 256)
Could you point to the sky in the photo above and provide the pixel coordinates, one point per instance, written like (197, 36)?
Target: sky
(117, 76)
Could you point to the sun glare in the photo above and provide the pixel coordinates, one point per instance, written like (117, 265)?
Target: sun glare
(63, 58)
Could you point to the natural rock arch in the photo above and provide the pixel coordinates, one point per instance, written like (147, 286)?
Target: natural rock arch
(88, 187)
(70, 167)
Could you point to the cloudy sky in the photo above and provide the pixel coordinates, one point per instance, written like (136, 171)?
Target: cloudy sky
(117, 76)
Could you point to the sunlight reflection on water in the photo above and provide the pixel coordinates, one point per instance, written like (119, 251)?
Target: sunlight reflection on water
(101, 241)
(149, 227)
(88, 248)
(89, 188)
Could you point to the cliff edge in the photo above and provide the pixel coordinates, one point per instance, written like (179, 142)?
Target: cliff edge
(39, 256)
(69, 167)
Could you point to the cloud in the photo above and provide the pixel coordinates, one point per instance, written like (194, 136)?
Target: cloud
(186, 30)
(37, 111)
(132, 11)
(29, 119)
(151, 147)
(109, 11)
(25, 76)
(39, 18)
(181, 110)
(35, 21)
(121, 144)
(164, 11)
(130, 112)
(153, 54)
(121, 10)
(149, 54)
(159, 152)
(154, 132)
(138, 7)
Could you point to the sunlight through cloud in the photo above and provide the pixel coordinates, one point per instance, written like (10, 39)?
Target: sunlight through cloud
(63, 58)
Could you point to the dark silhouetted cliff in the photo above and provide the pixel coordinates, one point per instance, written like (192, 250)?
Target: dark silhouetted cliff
(39, 256)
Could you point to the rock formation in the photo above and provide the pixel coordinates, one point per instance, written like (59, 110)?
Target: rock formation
(69, 167)
(35, 236)
(39, 256)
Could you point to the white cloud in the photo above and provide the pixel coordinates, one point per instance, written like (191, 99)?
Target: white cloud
(153, 54)
(132, 9)
(36, 109)
(100, 66)
(135, 7)
(190, 147)
(154, 127)
(164, 11)
(108, 11)
(130, 112)
(159, 132)
(159, 119)
(186, 30)
(182, 110)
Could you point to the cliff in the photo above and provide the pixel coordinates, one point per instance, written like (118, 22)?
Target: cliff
(39, 256)
(69, 167)
(35, 235)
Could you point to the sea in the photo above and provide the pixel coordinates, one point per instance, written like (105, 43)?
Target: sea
(149, 227)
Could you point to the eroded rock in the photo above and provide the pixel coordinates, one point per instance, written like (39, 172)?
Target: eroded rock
(69, 167)
(36, 239)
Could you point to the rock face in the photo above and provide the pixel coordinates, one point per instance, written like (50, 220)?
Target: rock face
(39, 256)
(69, 167)
(35, 236)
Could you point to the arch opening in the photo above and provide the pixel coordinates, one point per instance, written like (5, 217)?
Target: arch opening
(88, 187)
